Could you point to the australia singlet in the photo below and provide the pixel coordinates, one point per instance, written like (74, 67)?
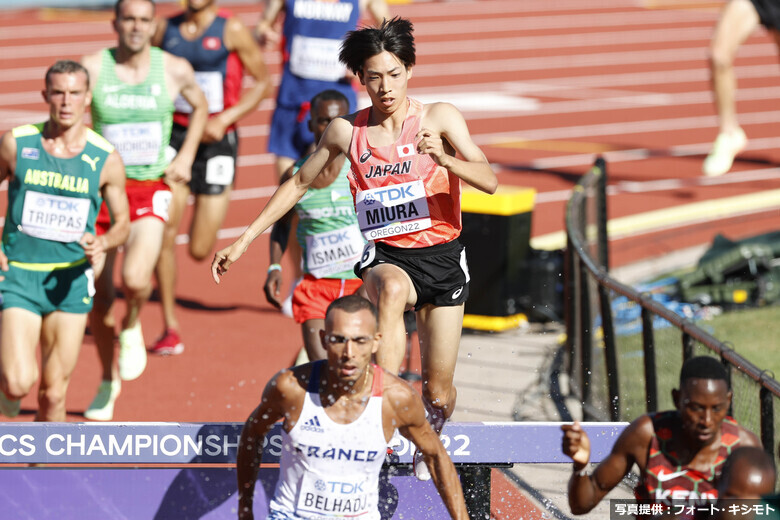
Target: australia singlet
(331, 470)
(218, 71)
(666, 480)
(312, 35)
(52, 201)
(327, 229)
(136, 119)
(402, 198)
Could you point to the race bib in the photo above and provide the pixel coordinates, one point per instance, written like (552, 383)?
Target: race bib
(392, 210)
(316, 58)
(54, 217)
(211, 84)
(137, 143)
(161, 202)
(336, 496)
(333, 252)
(220, 170)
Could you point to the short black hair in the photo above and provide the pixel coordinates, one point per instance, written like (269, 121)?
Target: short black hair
(66, 67)
(393, 36)
(329, 95)
(703, 367)
(755, 456)
(352, 303)
(119, 2)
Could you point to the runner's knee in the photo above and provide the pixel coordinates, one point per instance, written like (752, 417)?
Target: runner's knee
(393, 292)
(200, 249)
(19, 381)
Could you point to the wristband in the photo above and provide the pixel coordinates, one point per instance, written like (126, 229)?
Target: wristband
(583, 472)
(274, 267)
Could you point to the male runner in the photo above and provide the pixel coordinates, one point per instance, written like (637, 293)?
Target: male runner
(405, 182)
(220, 48)
(134, 85)
(327, 233)
(57, 172)
(356, 406)
(311, 35)
(738, 19)
(680, 453)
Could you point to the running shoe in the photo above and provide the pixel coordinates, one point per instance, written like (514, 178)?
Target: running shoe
(169, 344)
(724, 149)
(132, 353)
(9, 407)
(102, 407)
(420, 467)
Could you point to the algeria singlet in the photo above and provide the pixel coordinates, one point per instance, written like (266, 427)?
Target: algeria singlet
(136, 119)
(327, 229)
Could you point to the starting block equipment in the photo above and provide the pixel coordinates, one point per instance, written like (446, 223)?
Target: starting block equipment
(186, 470)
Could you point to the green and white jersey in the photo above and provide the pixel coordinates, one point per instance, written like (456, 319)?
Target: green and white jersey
(327, 230)
(52, 201)
(136, 119)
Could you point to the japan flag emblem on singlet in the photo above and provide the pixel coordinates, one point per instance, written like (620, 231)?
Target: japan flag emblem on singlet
(405, 150)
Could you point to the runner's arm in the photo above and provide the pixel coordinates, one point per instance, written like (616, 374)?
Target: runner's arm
(280, 233)
(335, 141)
(250, 446)
(7, 167)
(444, 121)
(264, 32)
(586, 491)
(238, 39)
(183, 77)
(116, 197)
(412, 424)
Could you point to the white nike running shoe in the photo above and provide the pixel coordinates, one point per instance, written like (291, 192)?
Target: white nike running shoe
(724, 149)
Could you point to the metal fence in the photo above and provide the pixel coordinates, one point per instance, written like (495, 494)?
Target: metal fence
(619, 376)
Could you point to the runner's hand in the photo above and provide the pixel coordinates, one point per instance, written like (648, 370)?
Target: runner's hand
(267, 36)
(179, 170)
(94, 247)
(214, 131)
(430, 143)
(272, 288)
(224, 258)
(576, 443)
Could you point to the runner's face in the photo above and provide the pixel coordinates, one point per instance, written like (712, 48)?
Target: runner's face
(68, 96)
(350, 339)
(322, 114)
(199, 5)
(703, 404)
(385, 78)
(135, 25)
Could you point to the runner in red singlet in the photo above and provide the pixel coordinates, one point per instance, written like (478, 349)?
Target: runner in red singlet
(408, 160)
(680, 453)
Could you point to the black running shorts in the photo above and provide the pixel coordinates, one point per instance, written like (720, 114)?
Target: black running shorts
(769, 13)
(215, 163)
(439, 273)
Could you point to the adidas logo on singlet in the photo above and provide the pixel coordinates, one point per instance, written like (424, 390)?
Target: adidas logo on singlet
(312, 425)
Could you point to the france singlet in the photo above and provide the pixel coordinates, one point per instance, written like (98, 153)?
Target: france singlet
(402, 198)
(327, 469)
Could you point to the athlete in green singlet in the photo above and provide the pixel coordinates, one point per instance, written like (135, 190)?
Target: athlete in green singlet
(58, 173)
(132, 106)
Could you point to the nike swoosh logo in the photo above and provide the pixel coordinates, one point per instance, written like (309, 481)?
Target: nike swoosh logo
(663, 477)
